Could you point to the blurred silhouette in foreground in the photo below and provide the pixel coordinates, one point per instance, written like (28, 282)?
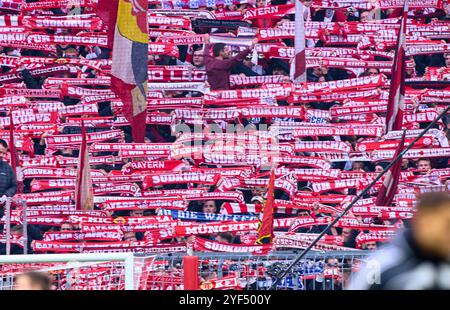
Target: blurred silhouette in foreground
(32, 281)
(419, 257)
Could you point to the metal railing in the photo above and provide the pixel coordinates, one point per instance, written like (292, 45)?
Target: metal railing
(331, 270)
(80, 271)
(7, 216)
(316, 271)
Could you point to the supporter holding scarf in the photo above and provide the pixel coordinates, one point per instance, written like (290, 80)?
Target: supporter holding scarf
(218, 66)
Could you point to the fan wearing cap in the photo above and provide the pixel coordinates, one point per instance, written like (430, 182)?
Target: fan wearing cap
(257, 200)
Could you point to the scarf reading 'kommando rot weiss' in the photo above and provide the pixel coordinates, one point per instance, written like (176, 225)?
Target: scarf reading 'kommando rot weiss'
(368, 131)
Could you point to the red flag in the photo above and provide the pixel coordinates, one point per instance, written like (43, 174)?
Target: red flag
(396, 101)
(84, 193)
(298, 68)
(389, 187)
(128, 39)
(15, 163)
(265, 228)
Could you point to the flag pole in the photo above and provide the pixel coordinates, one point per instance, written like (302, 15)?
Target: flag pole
(284, 272)
(298, 65)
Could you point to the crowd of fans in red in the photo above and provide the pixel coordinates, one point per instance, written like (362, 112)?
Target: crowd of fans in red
(211, 65)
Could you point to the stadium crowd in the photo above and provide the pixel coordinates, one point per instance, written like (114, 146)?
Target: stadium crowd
(222, 110)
